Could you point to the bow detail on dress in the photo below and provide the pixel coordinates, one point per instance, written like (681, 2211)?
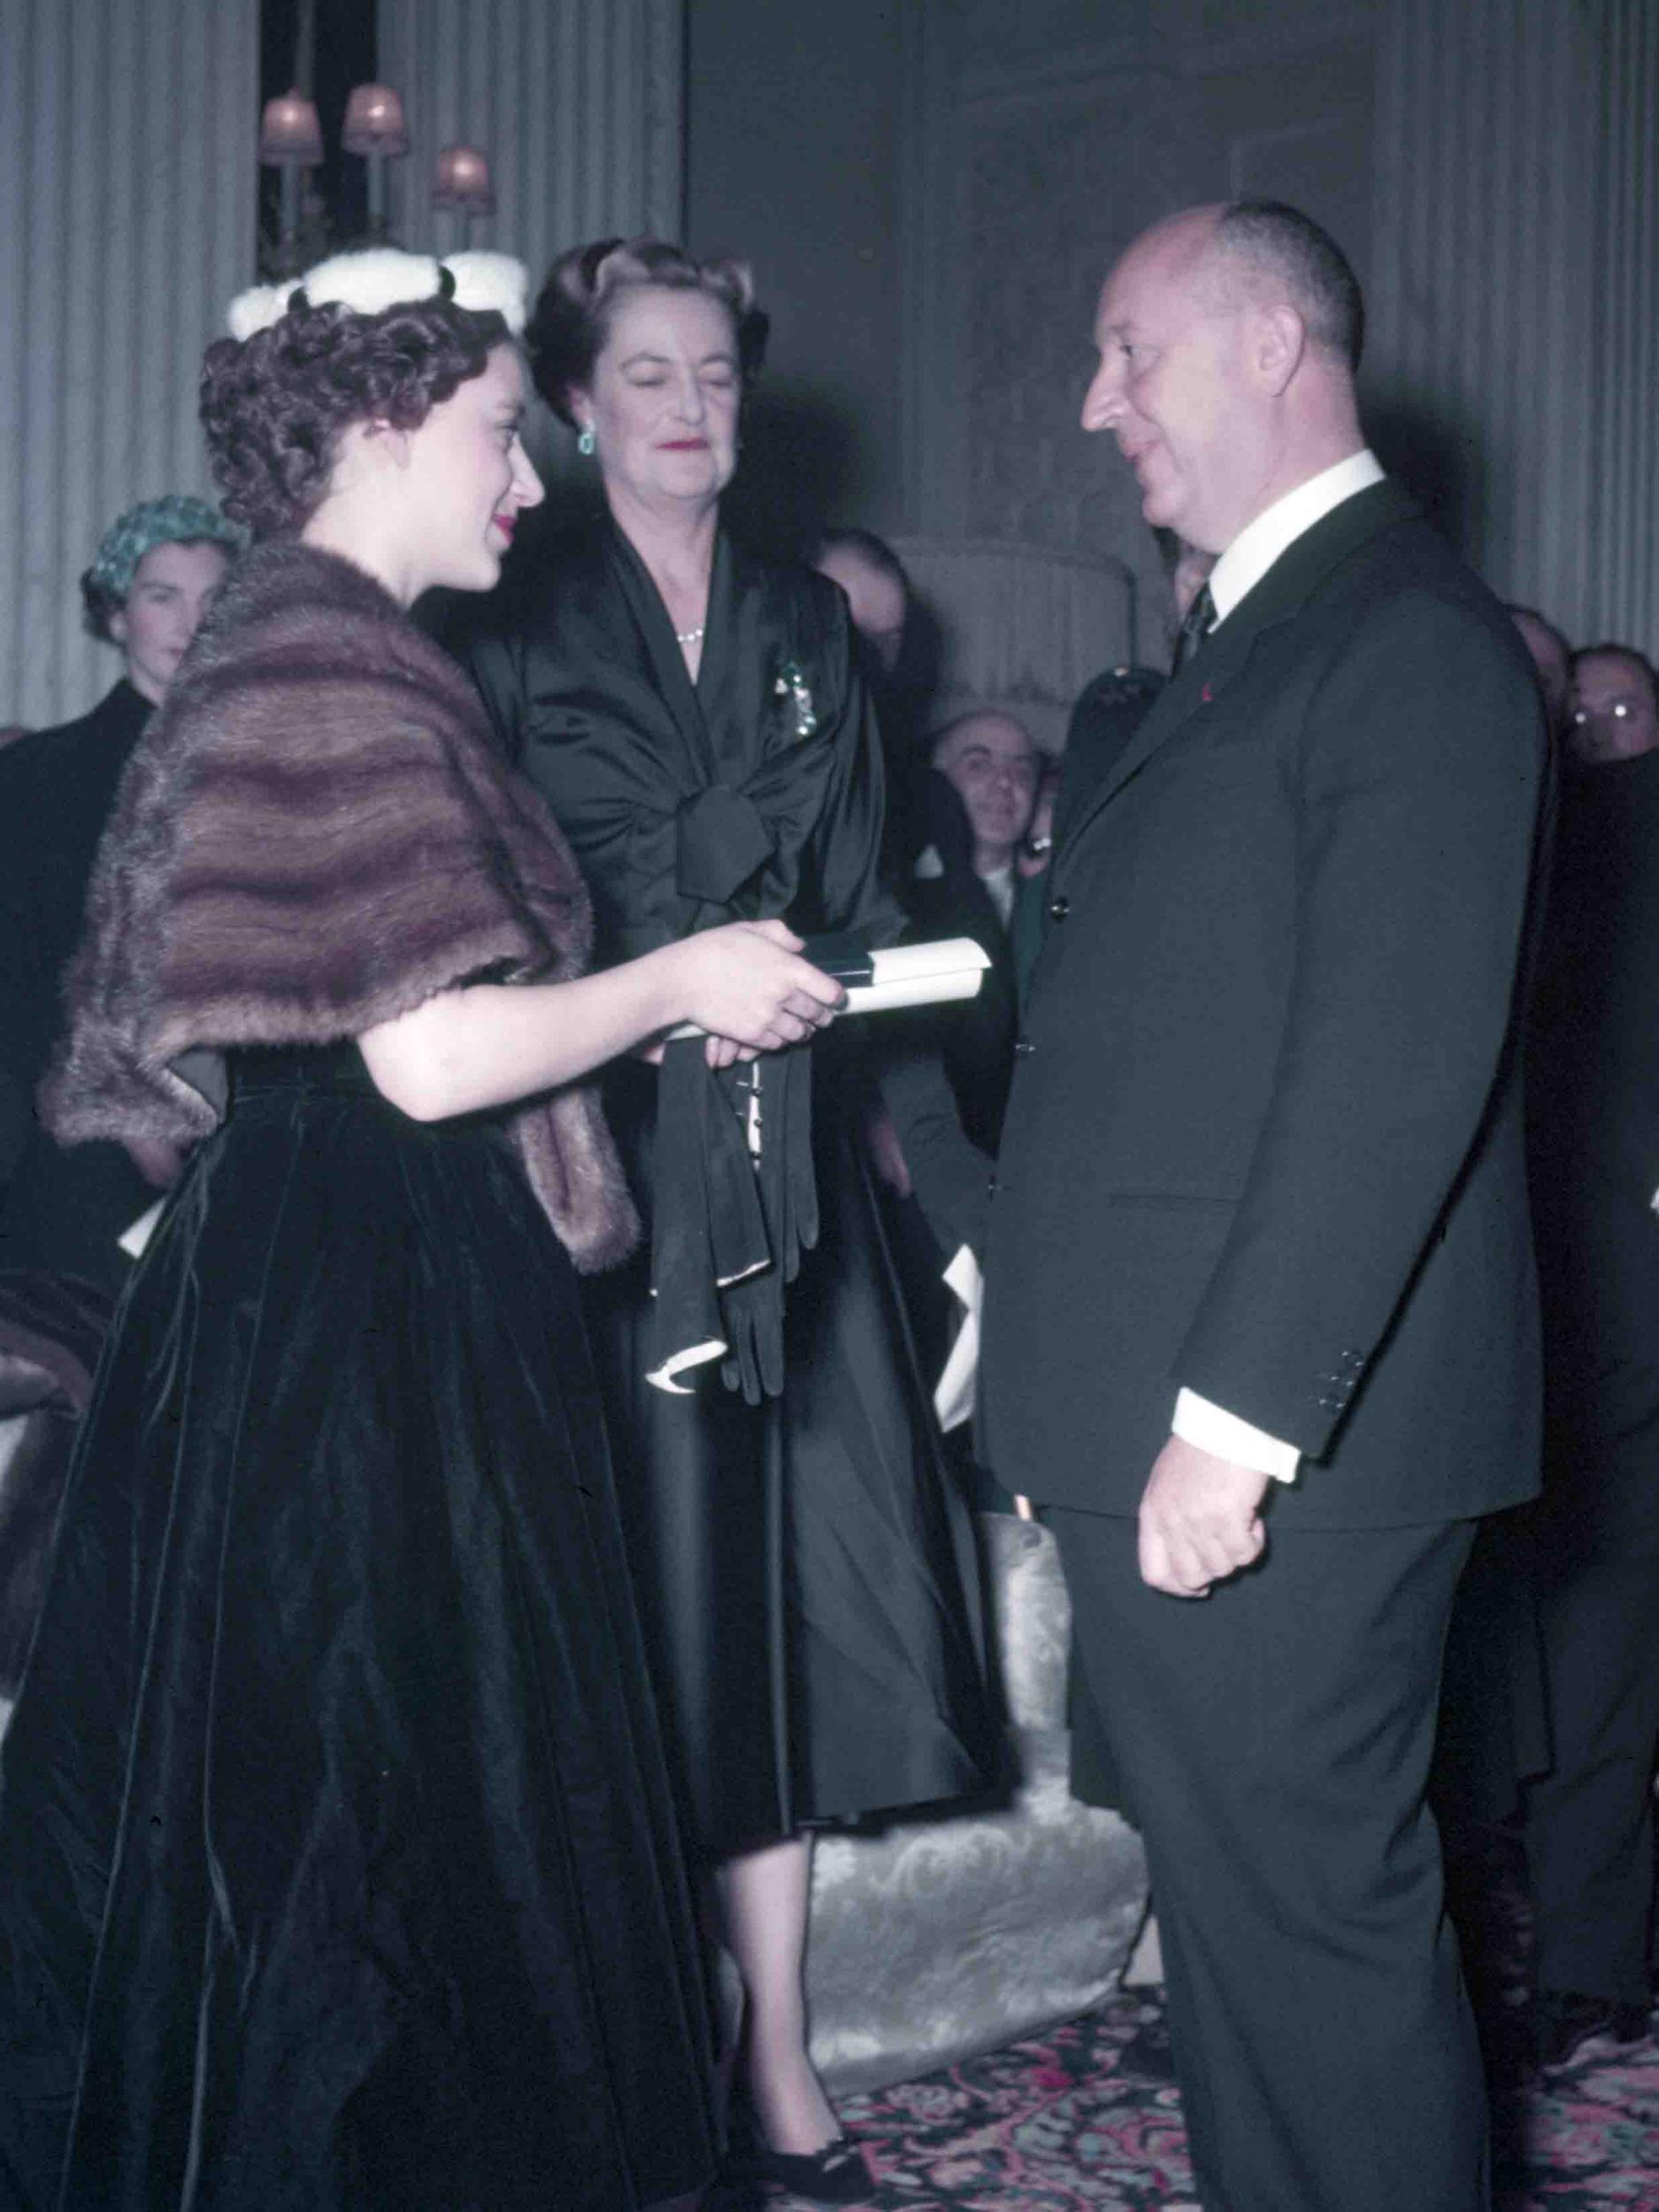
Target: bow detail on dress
(721, 840)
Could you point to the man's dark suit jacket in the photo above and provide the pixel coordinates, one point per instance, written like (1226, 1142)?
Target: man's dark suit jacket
(1592, 1100)
(1265, 1133)
(1108, 711)
(972, 1037)
(59, 1209)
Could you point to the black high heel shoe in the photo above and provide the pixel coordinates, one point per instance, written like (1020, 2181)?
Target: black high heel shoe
(835, 2175)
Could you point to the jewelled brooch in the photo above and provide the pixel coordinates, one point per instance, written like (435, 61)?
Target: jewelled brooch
(791, 685)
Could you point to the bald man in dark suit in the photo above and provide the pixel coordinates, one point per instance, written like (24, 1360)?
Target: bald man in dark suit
(1261, 1325)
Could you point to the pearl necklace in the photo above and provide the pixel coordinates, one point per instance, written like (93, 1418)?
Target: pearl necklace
(690, 637)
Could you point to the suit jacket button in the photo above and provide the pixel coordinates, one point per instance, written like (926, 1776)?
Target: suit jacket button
(1058, 909)
(1023, 1047)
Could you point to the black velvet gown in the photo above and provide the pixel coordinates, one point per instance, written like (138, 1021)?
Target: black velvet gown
(338, 1870)
(808, 1580)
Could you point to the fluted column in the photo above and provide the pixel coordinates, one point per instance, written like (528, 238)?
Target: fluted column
(1515, 339)
(579, 104)
(127, 180)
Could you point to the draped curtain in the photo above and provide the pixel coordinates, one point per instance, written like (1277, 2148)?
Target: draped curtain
(579, 104)
(127, 177)
(1515, 310)
(1624, 506)
(128, 172)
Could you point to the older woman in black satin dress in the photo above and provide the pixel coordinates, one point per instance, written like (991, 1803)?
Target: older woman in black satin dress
(696, 718)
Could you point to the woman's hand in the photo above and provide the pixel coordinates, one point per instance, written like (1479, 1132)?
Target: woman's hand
(489, 1044)
(159, 1164)
(747, 985)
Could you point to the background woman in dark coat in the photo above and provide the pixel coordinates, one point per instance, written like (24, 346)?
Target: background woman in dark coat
(337, 1866)
(156, 570)
(696, 718)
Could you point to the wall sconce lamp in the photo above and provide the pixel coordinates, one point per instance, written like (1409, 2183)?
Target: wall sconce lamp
(375, 129)
(290, 138)
(463, 184)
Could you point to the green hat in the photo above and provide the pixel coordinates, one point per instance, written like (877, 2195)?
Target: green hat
(176, 519)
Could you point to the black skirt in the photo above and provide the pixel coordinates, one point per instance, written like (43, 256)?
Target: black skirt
(337, 1866)
(808, 1578)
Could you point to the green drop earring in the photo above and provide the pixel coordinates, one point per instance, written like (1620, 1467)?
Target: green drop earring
(585, 442)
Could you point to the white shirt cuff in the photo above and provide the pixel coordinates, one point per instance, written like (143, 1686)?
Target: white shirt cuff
(1214, 1430)
(953, 1400)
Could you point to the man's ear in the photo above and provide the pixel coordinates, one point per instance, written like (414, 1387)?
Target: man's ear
(1278, 344)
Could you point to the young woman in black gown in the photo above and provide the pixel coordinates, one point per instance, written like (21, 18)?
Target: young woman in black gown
(696, 718)
(337, 1866)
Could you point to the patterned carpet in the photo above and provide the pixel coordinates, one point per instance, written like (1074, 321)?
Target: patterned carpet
(1088, 2119)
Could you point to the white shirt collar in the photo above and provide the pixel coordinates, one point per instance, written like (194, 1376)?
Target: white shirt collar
(1276, 529)
(1000, 885)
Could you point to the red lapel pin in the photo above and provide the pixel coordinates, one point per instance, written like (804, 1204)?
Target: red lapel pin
(1208, 696)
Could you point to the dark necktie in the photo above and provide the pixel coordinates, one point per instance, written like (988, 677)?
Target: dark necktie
(1196, 624)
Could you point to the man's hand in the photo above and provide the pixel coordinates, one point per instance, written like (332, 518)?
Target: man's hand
(1200, 1520)
(887, 1154)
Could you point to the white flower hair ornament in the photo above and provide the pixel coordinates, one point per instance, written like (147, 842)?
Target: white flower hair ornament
(385, 276)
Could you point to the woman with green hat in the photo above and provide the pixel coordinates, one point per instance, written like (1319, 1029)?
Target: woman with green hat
(151, 580)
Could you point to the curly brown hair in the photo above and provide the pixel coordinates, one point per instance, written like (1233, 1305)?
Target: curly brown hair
(566, 334)
(274, 406)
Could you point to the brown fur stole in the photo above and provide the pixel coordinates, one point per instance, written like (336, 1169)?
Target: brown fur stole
(315, 834)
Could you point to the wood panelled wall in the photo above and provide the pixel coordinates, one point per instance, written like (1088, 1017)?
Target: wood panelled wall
(1043, 140)
(128, 176)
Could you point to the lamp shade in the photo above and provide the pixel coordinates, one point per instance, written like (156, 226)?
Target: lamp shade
(463, 180)
(289, 134)
(374, 122)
